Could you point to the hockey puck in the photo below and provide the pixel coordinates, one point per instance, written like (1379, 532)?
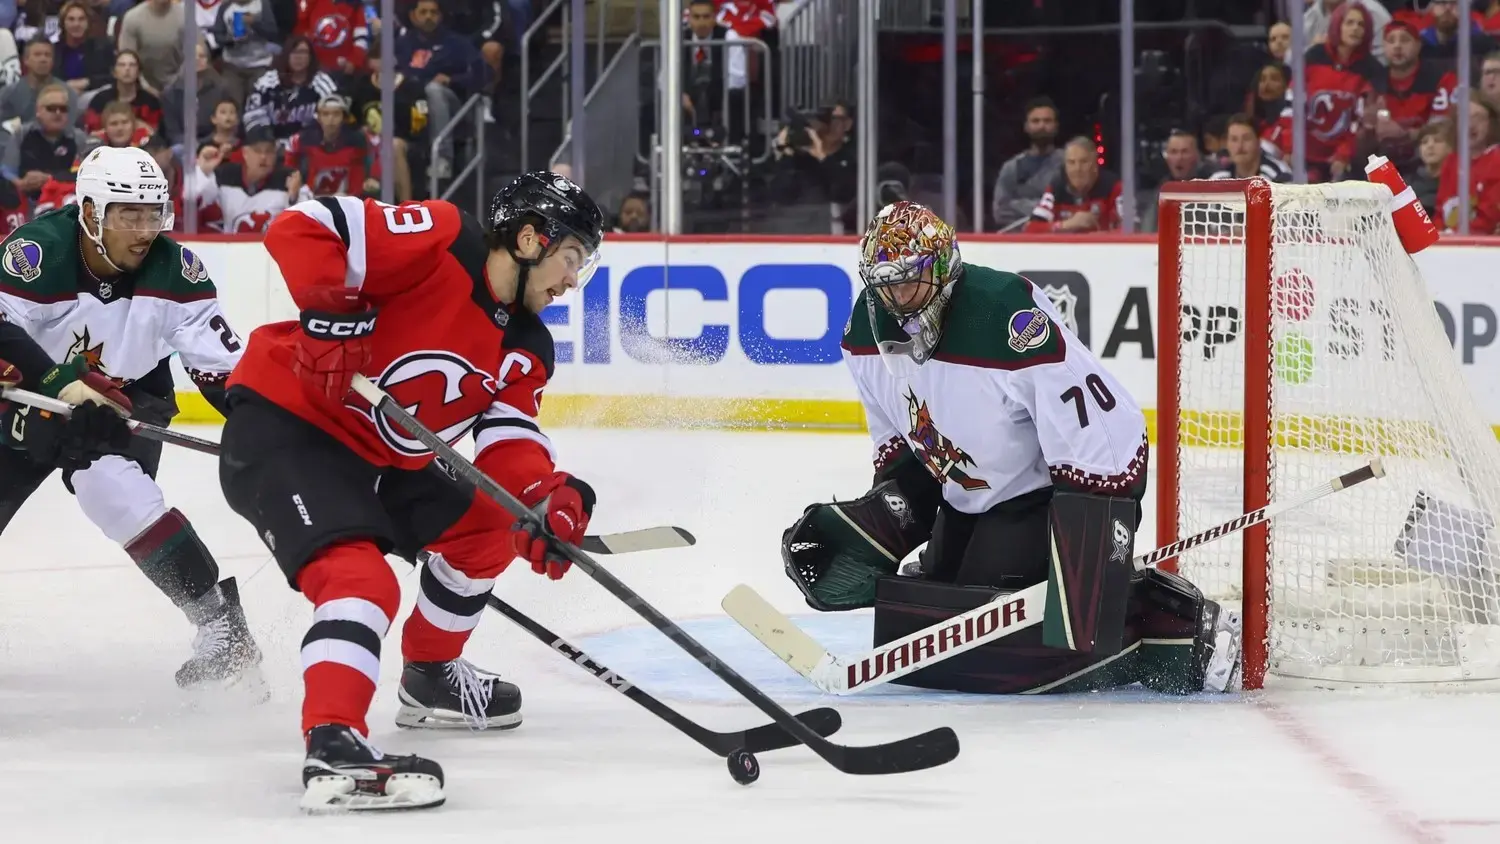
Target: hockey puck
(743, 766)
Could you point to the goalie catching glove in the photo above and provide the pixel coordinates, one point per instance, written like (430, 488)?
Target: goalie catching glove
(95, 427)
(837, 551)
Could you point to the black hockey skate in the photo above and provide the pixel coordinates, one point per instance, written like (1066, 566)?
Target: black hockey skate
(344, 773)
(224, 653)
(455, 694)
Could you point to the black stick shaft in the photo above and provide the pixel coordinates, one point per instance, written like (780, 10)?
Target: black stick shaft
(769, 737)
(915, 753)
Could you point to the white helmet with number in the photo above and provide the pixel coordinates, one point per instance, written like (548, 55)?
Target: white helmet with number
(123, 176)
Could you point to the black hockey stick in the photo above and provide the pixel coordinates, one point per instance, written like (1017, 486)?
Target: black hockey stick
(824, 722)
(915, 753)
(140, 429)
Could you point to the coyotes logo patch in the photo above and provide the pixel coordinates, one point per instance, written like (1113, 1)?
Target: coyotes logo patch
(938, 453)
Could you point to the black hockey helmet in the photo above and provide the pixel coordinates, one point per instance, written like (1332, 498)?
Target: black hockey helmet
(554, 206)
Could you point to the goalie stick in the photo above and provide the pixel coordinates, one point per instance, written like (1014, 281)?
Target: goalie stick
(1001, 617)
(927, 750)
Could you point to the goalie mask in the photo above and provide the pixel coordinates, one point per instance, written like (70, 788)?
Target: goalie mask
(908, 261)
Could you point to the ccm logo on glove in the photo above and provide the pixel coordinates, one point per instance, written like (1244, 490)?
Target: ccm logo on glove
(327, 326)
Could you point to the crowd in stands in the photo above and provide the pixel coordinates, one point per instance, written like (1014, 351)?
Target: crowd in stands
(1381, 79)
(288, 96)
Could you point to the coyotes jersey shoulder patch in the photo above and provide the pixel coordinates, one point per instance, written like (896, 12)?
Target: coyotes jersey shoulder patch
(994, 321)
(39, 261)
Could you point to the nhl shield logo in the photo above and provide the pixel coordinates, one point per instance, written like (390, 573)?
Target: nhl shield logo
(23, 259)
(1066, 304)
(1068, 292)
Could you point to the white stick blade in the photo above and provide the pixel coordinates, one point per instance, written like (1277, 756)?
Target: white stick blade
(773, 629)
(646, 539)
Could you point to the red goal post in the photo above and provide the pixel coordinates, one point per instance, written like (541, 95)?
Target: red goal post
(1256, 194)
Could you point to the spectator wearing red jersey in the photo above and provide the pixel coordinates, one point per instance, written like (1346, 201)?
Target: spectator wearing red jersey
(1484, 173)
(15, 208)
(333, 156)
(120, 126)
(81, 60)
(754, 19)
(56, 193)
(1083, 199)
(127, 89)
(1487, 16)
(1415, 93)
(338, 31)
(1340, 74)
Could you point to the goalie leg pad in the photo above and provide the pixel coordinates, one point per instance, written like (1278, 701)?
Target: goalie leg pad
(1088, 596)
(1189, 643)
(835, 552)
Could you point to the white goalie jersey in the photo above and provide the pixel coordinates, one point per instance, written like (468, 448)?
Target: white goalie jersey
(1010, 401)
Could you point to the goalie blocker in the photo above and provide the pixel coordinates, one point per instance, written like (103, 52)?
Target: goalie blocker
(1105, 625)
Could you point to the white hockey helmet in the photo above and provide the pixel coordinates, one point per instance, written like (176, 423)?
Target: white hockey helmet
(125, 175)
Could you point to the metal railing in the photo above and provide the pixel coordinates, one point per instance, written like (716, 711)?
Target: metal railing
(731, 100)
(611, 106)
(476, 163)
(530, 89)
(819, 51)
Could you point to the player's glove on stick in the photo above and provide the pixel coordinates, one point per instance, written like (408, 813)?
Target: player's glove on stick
(335, 343)
(564, 504)
(94, 428)
(837, 551)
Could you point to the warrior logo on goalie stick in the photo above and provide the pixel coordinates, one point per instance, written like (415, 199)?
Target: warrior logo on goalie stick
(938, 453)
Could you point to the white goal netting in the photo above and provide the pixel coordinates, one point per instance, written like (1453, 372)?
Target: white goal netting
(1393, 580)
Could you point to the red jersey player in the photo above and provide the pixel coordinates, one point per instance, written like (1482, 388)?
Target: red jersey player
(443, 316)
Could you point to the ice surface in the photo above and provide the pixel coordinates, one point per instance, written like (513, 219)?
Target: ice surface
(97, 744)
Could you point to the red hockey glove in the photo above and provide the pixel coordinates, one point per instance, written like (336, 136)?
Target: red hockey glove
(335, 343)
(564, 503)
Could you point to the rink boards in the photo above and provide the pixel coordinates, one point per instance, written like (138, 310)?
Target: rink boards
(727, 332)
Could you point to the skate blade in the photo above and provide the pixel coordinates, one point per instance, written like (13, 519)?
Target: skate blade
(248, 686)
(339, 793)
(412, 717)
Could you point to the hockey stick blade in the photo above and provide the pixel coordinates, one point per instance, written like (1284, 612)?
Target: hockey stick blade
(644, 539)
(916, 753)
(1008, 613)
(140, 429)
(825, 722)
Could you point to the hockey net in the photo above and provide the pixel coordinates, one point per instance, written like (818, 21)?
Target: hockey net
(1297, 341)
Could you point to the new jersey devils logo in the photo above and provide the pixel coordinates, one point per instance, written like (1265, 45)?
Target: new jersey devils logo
(251, 222)
(331, 31)
(445, 392)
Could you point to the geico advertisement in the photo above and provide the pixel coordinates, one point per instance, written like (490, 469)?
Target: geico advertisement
(763, 320)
